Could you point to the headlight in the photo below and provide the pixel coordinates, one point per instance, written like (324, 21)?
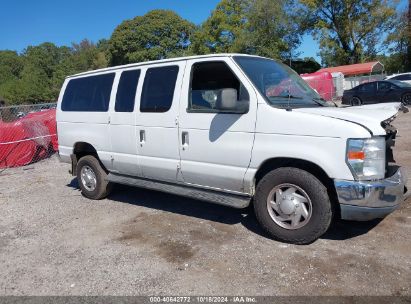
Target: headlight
(366, 158)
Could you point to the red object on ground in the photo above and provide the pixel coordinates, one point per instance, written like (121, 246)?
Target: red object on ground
(48, 118)
(322, 82)
(27, 139)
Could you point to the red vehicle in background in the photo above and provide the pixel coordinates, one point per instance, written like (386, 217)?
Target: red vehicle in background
(322, 82)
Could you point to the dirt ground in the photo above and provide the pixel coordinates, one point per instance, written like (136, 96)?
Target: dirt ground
(53, 241)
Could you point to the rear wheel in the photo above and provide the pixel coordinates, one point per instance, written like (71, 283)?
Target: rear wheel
(92, 178)
(355, 101)
(293, 206)
(406, 99)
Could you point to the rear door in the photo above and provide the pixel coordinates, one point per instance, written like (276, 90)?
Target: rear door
(215, 145)
(157, 121)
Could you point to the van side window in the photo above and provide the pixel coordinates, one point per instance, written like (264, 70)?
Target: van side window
(158, 89)
(88, 94)
(208, 80)
(126, 91)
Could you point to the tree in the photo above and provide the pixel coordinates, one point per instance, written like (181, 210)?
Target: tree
(10, 66)
(36, 75)
(398, 45)
(224, 30)
(273, 29)
(305, 65)
(349, 31)
(261, 27)
(158, 34)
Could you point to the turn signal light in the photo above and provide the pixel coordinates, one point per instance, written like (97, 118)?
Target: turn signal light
(352, 155)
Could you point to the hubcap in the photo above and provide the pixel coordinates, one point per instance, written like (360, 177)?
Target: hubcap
(355, 101)
(88, 178)
(289, 206)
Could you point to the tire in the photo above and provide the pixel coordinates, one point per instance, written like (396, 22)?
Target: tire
(318, 206)
(355, 101)
(406, 99)
(93, 183)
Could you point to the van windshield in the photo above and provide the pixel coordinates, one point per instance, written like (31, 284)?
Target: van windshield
(280, 85)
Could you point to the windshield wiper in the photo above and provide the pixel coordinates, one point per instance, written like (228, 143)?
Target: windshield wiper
(318, 101)
(322, 102)
(286, 96)
(289, 96)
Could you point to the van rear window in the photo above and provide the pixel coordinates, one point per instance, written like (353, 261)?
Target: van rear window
(88, 94)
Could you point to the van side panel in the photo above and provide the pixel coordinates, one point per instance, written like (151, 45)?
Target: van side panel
(157, 131)
(88, 127)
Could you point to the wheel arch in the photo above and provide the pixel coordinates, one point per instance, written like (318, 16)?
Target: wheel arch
(81, 149)
(356, 96)
(280, 162)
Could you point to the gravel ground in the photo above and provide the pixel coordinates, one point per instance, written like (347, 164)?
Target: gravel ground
(53, 241)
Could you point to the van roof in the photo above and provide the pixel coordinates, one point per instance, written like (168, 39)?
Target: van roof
(157, 62)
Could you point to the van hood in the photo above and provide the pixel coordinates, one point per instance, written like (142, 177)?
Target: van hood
(368, 116)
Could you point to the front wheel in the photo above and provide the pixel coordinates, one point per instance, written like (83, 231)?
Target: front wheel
(293, 206)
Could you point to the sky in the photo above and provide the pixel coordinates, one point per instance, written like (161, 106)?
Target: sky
(31, 22)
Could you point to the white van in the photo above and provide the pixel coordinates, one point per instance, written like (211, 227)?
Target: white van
(231, 129)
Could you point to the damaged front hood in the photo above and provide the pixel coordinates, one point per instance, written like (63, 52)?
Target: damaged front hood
(369, 116)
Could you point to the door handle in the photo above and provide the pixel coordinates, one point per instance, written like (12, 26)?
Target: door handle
(184, 139)
(142, 137)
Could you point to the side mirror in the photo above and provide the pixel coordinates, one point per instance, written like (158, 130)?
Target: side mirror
(227, 100)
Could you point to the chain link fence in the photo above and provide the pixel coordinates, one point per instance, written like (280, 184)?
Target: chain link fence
(351, 82)
(28, 133)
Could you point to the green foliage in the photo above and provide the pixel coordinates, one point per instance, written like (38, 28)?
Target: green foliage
(36, 75)
(306, 65)
(398, 43)
(156, 35)
(224, 30)
(394, 63)
(10, 66)
(273, 29)
(261, 27)
(349, 31)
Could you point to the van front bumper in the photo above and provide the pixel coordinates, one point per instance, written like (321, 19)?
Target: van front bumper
(367, 200)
